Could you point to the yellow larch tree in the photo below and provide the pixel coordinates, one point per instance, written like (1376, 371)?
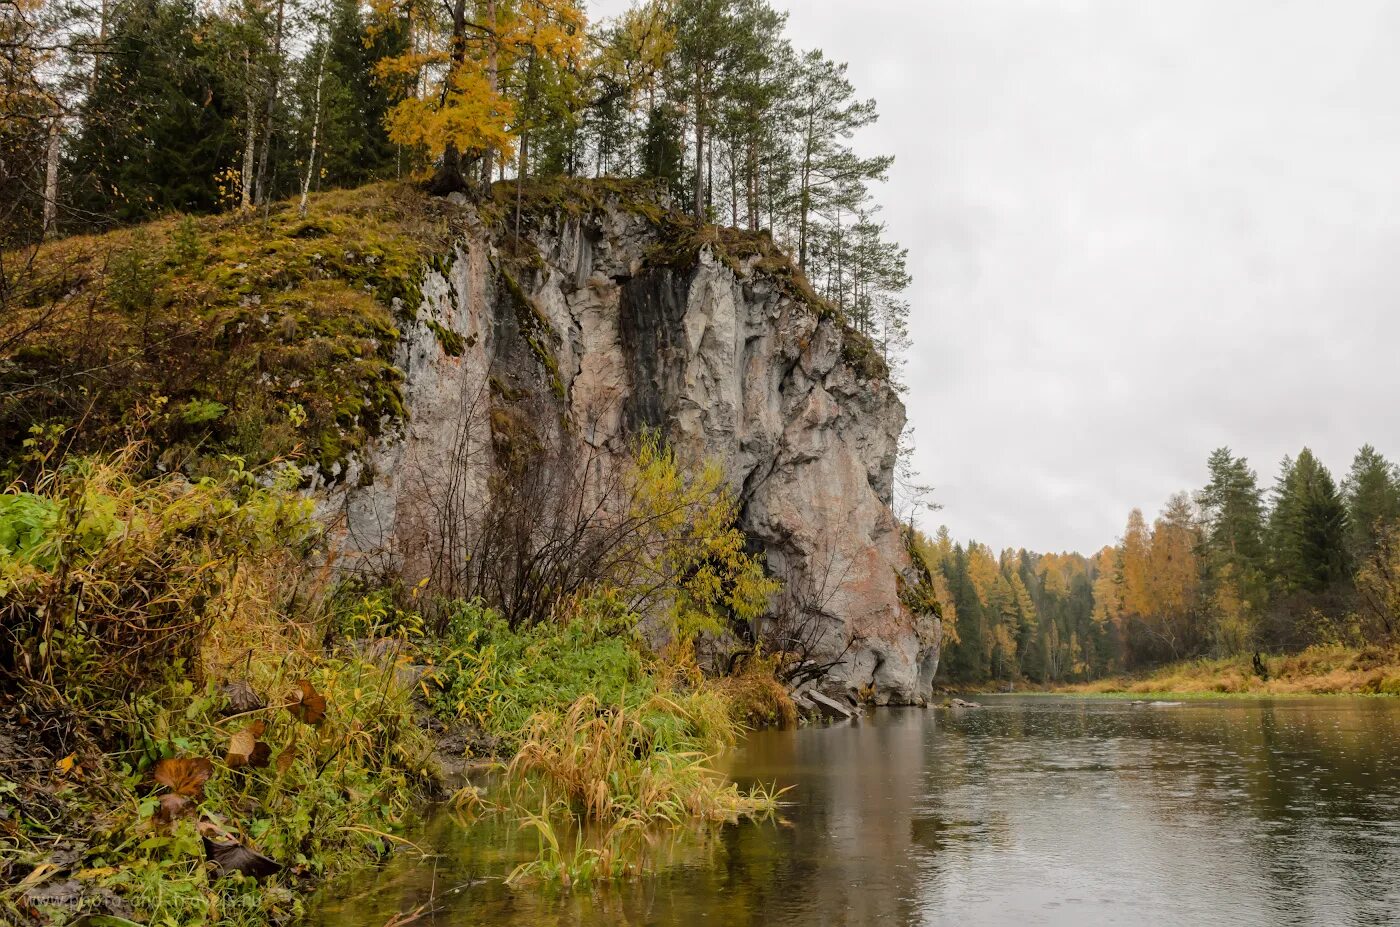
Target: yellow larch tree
(459, 110)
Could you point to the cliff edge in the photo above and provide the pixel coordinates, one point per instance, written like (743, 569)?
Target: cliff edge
(598, 313)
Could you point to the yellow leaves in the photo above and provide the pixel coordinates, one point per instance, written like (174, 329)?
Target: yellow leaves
(473, 117)
(66, 765)
(465, 107)
(409, 63)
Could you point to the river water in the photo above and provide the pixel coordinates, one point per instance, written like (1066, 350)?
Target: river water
(1033, 810)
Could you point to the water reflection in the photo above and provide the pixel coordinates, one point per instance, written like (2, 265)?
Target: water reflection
(1029, 811)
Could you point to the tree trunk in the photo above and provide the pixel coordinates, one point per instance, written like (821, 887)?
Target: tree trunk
(733, 188)
(491, 80)
(699, 147)
(274, 78)
(751, 184)
(51, 178)
(524, 141)
(450, 177)
(251, 140)
(315, 126)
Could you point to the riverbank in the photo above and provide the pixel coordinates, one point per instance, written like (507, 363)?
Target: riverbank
(1319, 670)
(199, 722)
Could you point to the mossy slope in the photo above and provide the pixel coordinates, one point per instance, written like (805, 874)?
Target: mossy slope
(258, 335)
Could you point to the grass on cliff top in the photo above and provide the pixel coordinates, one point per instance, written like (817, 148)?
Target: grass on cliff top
(247, 334)
(1322, 670)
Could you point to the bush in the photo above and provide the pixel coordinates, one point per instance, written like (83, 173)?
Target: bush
(106, 578)
(168, 684)
(648, 764)
(499, 678)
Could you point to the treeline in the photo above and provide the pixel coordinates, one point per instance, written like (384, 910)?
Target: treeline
(1233, 569)
(118, 110)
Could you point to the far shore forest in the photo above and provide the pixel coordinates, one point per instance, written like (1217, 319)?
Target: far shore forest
(1234, 569)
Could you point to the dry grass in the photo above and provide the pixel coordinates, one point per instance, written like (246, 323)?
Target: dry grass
(648, 764)
(1322, 670)
(756, 699)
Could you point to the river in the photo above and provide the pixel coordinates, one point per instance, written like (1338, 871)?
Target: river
(1032, 810)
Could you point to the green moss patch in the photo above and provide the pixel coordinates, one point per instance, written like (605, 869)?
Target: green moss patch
(287, 325)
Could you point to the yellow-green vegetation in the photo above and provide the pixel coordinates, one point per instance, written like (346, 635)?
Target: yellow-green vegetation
(1321, 670)
(179, 749)
(209, 719)
(250, 334)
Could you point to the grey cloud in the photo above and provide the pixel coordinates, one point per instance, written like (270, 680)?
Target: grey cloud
(1139, 231)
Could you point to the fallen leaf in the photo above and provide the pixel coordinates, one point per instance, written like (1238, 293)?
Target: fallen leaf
(65, 765)
(239, 697)
(173, 806)
(230, 855)
(96, 872)
(103, 920)
(288, 756)
(240, 748)
(185, 775)
(37, 875)
(309, 706)
(244, 748)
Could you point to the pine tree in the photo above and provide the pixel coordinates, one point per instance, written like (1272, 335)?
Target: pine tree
(1233, 508)
(825, 114)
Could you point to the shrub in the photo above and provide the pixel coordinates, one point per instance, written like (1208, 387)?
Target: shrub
(106, 577)
(158, 625)
(498, 677)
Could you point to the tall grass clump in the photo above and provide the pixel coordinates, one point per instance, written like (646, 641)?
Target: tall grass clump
(649, 764)
(185, 752)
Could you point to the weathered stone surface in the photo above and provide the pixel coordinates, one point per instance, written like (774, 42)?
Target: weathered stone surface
(830, 708)
(723, 360)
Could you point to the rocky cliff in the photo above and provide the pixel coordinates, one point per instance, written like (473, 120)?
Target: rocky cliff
(596, 313)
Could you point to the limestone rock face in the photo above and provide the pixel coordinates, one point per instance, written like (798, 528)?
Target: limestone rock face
(598, 338)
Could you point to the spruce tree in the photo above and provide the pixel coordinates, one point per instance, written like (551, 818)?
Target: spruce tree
(1372, 492)
(157, 129)
(1312, 528)
(1233, 508)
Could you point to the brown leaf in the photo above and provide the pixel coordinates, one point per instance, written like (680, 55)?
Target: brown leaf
(309, 706)
(240, 697)
(230, 855)
(288, 756)
(244, 748)
(240, 748)
(172, 807)
(184, 775)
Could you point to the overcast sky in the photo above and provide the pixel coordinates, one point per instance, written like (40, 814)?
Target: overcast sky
(1138, 231)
